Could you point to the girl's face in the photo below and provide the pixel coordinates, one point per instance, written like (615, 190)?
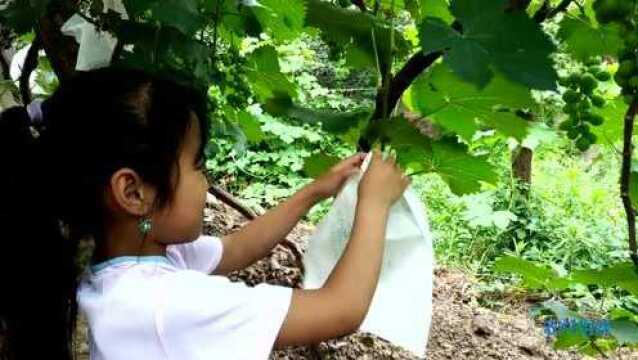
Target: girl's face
(182, 221)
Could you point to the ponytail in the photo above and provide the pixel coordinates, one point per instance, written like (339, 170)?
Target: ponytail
(53, 183)
(38, 273)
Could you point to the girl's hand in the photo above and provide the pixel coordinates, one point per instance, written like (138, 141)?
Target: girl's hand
(329, 184)
(384, 182)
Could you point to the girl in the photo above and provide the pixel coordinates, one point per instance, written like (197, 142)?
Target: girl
(118, 158)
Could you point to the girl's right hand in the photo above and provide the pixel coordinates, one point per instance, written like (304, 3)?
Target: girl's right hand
(384, 182)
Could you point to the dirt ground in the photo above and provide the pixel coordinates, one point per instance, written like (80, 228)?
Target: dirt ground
(461, 329)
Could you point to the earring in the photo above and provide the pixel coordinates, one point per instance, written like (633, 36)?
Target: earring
(144, 226)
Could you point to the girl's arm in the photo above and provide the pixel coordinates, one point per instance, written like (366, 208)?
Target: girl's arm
(255, 240)
(341, 304)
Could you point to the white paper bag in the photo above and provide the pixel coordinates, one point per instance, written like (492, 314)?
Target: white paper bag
(401, 308)
(96, 47)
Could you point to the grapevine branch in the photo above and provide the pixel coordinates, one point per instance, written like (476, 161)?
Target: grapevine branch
(360, 4)
(231, 201)
(559, 8)
(625, 178)
(30, 63)
(61, 50)
(543, 11)
(4, 64)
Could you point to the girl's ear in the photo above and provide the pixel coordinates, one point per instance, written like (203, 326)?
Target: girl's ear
(128, 193)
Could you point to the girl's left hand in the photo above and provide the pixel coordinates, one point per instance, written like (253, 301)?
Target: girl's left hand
(329, 184)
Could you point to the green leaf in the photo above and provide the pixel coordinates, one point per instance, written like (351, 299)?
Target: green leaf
(420, 9)
(493, 39)
(471, 62)
(583, 39)
(181, 14)
(625, 331)
(238, 21)
(446, 157)
(317, 164)
(623, 275)
(22, 15)
(165, 50)
(535, 276)
(437, 8)
(461, 107)
(250, 126)
(265, 77)
(387, 4)
(138, 7)
(569, 338)
(335, 122)
(633, 183)
(354, 28)
(436, 35)
(621, 313)
(611, 131)
(282, 19)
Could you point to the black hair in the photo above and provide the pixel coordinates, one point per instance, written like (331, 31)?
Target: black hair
(52, 186)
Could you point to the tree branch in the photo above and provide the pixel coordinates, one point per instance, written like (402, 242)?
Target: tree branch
(625, 178)
(249, 214)
(542, 12)
(361, 5)
(30, 63)
(518, 5)
(61, 50)
(230, 200)
(4, 64)
(545, 13)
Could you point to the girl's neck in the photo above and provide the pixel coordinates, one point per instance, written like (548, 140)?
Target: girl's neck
(121, 241)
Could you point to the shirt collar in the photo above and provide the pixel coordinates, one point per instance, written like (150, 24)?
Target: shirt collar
(146, 259)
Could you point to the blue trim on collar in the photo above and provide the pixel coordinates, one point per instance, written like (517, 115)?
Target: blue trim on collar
(157, 259)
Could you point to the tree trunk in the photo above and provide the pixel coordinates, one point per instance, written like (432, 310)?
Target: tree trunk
(522, 165)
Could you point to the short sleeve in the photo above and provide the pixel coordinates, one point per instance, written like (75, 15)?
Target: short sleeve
(203, 254)
(210, 317)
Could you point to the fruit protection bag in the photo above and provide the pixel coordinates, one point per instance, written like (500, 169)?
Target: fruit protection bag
(401, 309)
(96, 47)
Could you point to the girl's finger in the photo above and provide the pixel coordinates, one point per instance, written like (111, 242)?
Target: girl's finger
(353, 160)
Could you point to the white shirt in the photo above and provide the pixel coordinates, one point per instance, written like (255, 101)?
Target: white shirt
(156, 307)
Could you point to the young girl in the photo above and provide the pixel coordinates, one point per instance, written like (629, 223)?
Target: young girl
(118, 158)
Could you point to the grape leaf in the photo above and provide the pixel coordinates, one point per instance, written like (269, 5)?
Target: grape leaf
(420, 9)
(317, 164)
(282, 19)
(354, 28)
(625, 331)
(535, 276)
(461, 107)
(438, 9)
(583, 39)
(447, 157)
(22, 15)
(570, 337)
(265, 76)
(249, 125)
(492, 39)
(622, 274)
(138, 7)
(611, 130)
(335, 122)
(633, 184)
(181, 14)
(386, 4)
